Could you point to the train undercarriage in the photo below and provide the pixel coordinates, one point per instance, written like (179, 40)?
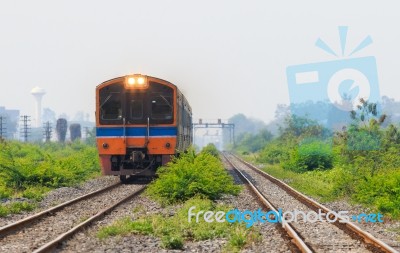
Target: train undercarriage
(137, 163)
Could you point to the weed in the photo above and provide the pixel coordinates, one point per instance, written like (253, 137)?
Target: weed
(16, 207)
(174, 230)
(192, 175)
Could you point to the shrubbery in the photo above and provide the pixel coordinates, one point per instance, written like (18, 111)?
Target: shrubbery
(30, 170)
(361, 162)
(211, 149)
(192, 175)
(310, 155)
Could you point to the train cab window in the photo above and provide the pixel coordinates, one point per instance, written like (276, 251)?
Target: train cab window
(110, 107)
(161, 108)
(136, 109)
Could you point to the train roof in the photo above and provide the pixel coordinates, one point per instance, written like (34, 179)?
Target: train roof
(122, 77)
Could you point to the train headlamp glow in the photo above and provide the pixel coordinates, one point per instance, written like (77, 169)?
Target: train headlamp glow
(131, 81)
(136, 82)
(140, 80)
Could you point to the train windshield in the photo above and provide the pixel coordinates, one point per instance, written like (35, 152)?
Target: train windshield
(136, 109)
(161, 107)
(111, 106)
(136, 106)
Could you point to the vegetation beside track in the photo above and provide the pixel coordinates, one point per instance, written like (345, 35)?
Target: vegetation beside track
(31, 170)
(192, 175)
(175, 230)
(359, 163)
(190, 180)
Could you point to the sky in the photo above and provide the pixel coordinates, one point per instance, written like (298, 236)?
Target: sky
(226, 56)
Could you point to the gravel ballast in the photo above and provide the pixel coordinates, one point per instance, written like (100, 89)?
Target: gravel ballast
(320, 236)
(49, 227)
(272, 239)
(61, 195)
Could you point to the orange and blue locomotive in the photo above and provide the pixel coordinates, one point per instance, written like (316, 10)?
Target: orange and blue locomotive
(141, 121)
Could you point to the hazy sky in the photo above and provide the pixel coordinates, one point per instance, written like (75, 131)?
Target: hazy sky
(226, 56)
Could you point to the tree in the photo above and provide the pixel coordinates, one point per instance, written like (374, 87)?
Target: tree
(61, 129)
(75, 131)
(296, 127)
(364, 132)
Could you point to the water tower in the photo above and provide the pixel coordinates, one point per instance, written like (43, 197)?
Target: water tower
(38, 94)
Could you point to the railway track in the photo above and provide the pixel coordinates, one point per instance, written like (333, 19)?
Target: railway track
(307, 236)
(44, 231)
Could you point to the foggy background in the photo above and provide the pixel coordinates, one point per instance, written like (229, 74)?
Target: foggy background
(227, 57)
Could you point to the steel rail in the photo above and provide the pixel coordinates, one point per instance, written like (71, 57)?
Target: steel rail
(301, 245)
(50, 246)
(7, 229)
(366, 237)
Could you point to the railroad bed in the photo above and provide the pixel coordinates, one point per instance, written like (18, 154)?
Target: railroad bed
(308, 236)
(45, 230)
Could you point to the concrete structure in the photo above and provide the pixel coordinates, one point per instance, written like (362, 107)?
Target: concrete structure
(38, 94)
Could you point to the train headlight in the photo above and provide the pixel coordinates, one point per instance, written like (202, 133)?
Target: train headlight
(131, 81)
(140, 80)
(136, 82)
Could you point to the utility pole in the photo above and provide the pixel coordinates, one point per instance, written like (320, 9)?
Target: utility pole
(47, 131)
(3, 129)
(25, 130)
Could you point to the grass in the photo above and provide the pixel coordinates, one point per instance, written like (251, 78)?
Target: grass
(139, 208)
(31, 170)
(175, 230)
(16, 208)
(379, 192)
(318, 184)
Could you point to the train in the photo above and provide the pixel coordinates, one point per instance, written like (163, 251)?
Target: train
(141, 122)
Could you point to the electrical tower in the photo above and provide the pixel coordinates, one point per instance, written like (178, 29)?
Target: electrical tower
(25, 130)
(3, 129)
(47, 131)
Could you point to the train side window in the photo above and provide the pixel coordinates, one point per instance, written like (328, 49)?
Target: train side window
(110, 106)
(136, 109)
(161, 107)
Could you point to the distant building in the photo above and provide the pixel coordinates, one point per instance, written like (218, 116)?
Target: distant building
(10, 119)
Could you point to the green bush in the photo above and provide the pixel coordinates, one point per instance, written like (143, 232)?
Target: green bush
(310, 156)
(211, 149)
(380, 191)
(35, 193)
(273, 153)
(31, 170)
(191, 175)
(4, 192)
(172, 242)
